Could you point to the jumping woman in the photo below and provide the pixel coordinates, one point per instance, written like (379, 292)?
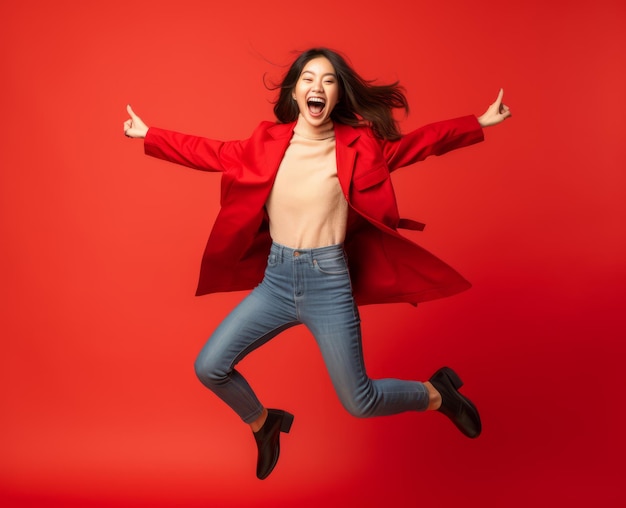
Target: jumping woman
(309, 223)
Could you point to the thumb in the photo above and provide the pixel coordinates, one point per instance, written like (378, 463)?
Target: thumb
(130, 111)
(500, 95)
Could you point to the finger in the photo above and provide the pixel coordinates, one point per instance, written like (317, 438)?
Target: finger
(504, 111)
(500, 95)
(128, 124)
(131, 112)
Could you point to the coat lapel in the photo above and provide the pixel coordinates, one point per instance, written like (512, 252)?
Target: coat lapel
(345, 136)
(275, 147)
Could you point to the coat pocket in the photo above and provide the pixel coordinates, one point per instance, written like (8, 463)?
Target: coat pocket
(371, 178)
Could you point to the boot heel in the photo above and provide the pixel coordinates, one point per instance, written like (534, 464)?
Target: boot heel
(285, 424)
(453, 377)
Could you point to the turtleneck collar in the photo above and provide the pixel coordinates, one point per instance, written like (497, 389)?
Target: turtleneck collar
(303, 129)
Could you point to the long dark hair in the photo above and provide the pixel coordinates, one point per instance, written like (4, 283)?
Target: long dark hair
(360, 101)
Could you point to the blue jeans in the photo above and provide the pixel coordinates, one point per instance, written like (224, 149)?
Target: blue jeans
(310, 287)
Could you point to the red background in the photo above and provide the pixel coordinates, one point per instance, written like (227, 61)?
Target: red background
(101, 245)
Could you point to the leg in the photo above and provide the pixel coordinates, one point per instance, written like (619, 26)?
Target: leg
(339, 339)
(340, 342)
(325, 304)
(327, 308)
(267, 311)
(434, 397)
(256, 320)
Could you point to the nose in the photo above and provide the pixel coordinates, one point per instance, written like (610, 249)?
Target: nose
(317, 86)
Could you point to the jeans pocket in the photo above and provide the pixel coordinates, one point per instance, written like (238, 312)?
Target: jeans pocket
(331, 266)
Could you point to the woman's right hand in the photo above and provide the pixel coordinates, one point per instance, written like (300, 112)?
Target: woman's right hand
(134, 126)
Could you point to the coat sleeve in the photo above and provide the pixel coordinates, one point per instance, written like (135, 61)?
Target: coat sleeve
(433, 139)
(193, 151)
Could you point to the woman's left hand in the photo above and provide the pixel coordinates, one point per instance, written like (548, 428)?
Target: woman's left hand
(495, 113)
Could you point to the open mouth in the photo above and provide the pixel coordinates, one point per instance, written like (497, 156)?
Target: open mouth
(316, 105)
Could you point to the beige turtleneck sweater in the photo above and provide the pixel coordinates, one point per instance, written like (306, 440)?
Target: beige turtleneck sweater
(306, 207)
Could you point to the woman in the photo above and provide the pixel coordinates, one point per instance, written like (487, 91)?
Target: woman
(300, 198)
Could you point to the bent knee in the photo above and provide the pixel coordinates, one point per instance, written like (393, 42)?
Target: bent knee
(209, 372)
(357, 408)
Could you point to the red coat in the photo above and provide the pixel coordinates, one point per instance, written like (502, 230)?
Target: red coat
(385, 267)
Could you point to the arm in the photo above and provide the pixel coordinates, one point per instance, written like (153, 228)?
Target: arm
(191, 151)
(441, 137)
(433, 139)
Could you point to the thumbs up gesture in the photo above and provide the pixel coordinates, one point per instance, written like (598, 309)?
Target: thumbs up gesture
(496, 113)
(134, 126)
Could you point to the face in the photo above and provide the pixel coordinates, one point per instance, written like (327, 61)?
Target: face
(317, 91)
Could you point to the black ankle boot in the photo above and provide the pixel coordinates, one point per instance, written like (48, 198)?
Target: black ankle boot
(454, 405)
(268, 440)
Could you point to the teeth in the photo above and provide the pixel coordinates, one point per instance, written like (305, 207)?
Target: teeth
(317, 99)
